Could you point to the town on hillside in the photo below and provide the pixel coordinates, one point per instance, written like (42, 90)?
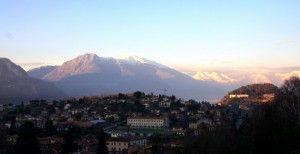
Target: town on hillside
(132, 123)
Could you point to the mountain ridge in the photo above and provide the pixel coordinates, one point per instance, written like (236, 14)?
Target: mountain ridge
(40, 72)
(17, 85)
(97, 75)
(241, 76)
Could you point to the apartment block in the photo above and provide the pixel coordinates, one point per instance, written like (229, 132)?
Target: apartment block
(148, 122)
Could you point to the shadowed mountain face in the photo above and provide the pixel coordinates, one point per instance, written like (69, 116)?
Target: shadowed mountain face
(17, 86)
(41, 71)
(92, 75)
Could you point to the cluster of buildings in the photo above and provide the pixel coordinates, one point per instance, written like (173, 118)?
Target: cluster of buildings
(128, 130)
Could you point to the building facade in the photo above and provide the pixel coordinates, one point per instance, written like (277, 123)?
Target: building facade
(148, 122)
(238, 96)
(121, 145)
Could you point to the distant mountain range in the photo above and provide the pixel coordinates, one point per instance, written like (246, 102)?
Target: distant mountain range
(236, 77)
(90, 74)
(17, 86)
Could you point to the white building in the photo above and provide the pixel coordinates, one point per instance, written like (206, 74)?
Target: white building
(166, 104)
(116, 134)
(148, 122)
(119, 145)
(238, 96)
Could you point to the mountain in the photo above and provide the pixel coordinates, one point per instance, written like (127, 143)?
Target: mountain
(17, 85)
(41, 71)
(89, 74)
(85, 64)
(236, 77)
(253, 93)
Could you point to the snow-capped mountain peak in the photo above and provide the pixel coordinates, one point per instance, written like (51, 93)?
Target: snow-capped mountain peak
(85, 75)
(88, 57)
(133, 59)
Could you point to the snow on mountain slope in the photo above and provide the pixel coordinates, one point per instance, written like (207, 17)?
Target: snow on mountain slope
(89, 74)
(132, 59)
(242, 76)
(91, 63)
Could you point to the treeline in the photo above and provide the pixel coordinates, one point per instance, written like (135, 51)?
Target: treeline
(256, 89)
(27, 141)
(271, 128)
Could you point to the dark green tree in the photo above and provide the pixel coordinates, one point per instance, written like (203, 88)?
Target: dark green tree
(121, 96)
(138, 94)
(138, 106)
(173, 98)
(290, 100)
(12, 129)
(69, 146)
(27, 141)
(4, 145)
(101, 149)
(51, 109)
(49, 128)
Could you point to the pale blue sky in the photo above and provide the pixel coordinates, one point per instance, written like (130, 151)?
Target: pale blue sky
(215, 33)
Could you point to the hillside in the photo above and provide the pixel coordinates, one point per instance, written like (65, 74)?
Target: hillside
(17, 85)
(40, 72)
(254, 93)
